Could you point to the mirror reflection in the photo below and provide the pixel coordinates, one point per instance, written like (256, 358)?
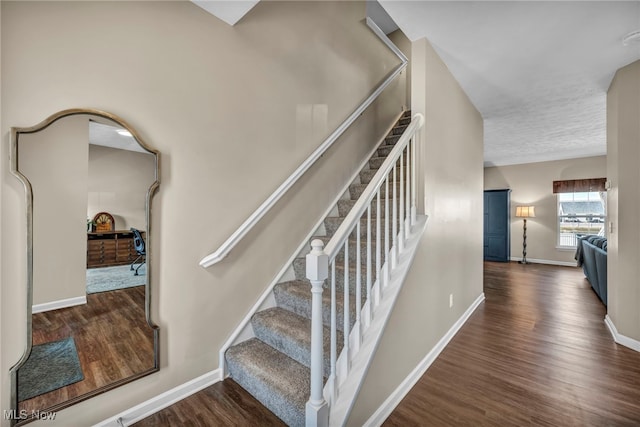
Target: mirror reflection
(91, 183)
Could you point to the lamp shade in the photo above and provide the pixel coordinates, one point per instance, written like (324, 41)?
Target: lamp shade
(525, 212)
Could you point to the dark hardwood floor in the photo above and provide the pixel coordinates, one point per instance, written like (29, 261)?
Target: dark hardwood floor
(111, 336)
(222, 404)
(536, 352)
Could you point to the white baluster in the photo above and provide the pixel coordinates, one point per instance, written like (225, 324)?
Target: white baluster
(394, 222)
(317, 410)
(414, 214)
(401, 216)
(387, 264)
(376, 296)
(334, 337)
(407, 198)
(346, 319)
(358, 290)
(369, 261)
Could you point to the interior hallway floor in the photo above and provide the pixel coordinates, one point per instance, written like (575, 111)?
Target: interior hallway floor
(536, 352)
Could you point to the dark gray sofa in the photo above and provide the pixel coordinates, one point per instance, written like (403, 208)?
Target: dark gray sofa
(591, 255)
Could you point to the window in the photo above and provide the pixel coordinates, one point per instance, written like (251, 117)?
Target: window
(579, 214)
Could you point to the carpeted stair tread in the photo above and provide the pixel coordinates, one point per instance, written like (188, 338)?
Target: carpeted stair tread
(280, 383)
(391, 140)
(299, 269)
(367, 175)
(356, 190)
(375, 162)
(331, 223)
(291, 334)
(399, 130)
(295, 296)
(340, 256)
(352, 249)
(384, 150)
(345, 206)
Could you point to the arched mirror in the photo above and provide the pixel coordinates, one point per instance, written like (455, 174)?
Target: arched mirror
(89, 181)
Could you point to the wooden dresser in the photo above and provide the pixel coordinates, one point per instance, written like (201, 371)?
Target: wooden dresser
(109, 248)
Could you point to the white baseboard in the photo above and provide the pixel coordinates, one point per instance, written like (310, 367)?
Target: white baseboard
(401, 391)
(546, 261)
(619, 338)
(55, 305)
(157, 403)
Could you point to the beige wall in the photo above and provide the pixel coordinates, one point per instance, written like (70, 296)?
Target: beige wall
(54, 161)
(118, 184)
(404, 44)
(623, 158)
(449, 257)
(220, 105)
(532, 184)
(3, 166)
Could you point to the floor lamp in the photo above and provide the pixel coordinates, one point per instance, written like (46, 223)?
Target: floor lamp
(525, 212)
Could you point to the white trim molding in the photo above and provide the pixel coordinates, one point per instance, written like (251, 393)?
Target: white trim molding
(161, 401)
(55, 305)
(619, 338)
(401, 391)
(546, 261)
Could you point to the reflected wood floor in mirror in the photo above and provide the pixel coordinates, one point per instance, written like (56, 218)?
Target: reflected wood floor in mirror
(536, 352)
(111, 335)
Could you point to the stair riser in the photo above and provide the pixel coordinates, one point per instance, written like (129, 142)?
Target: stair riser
(384, 150)
(345, 206)
(404, 121)
(261, 392)
(367, 175)
(298, 351)
(376, 162)
(356, 190)
(352, 281)
(331, 225)
(391, 140)
(398, 130)
(300, 262)
(300, 271)
(348, 204)
(302, 307)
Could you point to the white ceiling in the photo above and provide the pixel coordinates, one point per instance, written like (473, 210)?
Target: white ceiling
(108, 136)
(538, 72)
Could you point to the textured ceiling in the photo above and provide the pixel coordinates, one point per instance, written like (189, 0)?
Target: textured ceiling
(538, 72)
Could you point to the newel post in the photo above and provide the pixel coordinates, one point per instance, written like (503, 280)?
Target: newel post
(317, 410)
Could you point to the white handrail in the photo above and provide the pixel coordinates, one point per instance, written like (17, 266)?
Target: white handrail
(334, 245)
(256, 216)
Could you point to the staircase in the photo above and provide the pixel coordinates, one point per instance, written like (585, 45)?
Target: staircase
(274, 366)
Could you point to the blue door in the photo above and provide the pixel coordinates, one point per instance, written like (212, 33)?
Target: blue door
(497, 239)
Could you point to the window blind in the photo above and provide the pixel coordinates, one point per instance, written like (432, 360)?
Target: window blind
(579, 185)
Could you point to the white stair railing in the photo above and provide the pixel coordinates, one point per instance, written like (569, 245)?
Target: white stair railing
(226, 247)
(398, 172)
